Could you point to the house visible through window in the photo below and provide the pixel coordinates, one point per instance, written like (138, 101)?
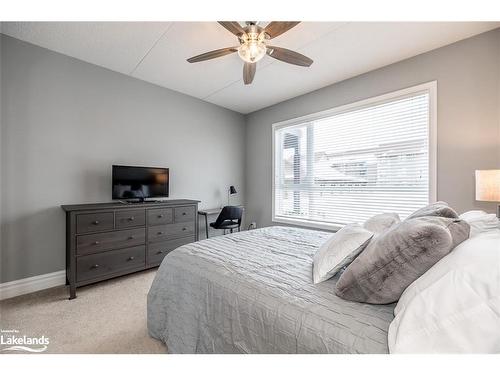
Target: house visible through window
(351, 163)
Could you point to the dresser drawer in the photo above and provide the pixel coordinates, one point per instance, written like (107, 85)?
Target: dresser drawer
(170, 231)
(182, 214)
(158, 250)
(86, 223)
(160, 216)
(130, 218)
(94, 243)
(97, 265)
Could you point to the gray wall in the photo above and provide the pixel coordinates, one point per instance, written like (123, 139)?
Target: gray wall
(65, 122)
(468, 75)
(1, 182)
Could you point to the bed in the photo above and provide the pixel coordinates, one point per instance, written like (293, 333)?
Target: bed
(252, 292)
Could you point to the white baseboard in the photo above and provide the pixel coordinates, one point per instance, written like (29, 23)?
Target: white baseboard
(32, 284)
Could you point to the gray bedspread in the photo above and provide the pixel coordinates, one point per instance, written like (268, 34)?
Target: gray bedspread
(252, 292)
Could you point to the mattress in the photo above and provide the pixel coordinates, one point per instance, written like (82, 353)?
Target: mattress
(252, 292)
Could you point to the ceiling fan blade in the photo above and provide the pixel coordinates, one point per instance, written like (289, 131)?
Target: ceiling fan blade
(276, 28)
(248, 72)
(288, 56)
(233, 27)
(212, 54)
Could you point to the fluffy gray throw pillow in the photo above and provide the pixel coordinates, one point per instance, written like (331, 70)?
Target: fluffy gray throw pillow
(396, 258)
(440, 209)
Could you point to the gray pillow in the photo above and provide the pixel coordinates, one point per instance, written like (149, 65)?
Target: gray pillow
(396, 258)
(382, 222)
(435, 209)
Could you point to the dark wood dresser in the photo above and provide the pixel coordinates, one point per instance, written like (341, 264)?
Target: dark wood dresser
(105, 240)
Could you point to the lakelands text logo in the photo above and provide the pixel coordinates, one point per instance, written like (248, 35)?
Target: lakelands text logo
(11, 340)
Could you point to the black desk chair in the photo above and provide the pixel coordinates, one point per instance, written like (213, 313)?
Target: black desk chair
(229, 218)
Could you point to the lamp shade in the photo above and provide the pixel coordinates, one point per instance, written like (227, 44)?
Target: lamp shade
(232, 190)
(488, 185)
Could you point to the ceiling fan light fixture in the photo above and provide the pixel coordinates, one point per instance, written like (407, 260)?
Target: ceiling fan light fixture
(252, 48)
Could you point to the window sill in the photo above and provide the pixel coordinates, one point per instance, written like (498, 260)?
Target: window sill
(308, 224)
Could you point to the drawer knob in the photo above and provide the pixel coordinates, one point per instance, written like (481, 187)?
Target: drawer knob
(160, 252)
(160, 216)
(131, 237)
(131, 218)
(159, 233)
(95, 222)
(131, 258)
(184, 228)
(96, 242)
(95, 266)
(183, 214)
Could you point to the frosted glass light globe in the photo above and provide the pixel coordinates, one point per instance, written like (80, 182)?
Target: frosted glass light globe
(252, 51)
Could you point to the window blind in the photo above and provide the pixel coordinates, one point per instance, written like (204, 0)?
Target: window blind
(349, 166)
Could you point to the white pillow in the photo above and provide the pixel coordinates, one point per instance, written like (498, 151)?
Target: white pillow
(382, 222)
(455, 306)
(480, 221)
(339, 251)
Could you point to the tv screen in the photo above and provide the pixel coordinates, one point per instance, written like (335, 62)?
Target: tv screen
(139, 182)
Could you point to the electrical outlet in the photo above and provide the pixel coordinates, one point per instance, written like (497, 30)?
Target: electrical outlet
(253, 225)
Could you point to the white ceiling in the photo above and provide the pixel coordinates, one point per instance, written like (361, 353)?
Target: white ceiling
(156, 52)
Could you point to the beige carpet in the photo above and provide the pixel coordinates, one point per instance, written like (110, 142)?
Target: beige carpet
(109, 317)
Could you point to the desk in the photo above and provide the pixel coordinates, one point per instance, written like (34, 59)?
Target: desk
(211, 211)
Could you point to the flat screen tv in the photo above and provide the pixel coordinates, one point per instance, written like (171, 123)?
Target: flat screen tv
(139, 183)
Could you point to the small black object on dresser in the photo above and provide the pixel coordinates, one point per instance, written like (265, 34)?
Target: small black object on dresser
(105, 240)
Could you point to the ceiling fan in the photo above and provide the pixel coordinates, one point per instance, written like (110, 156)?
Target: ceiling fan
(253, 46)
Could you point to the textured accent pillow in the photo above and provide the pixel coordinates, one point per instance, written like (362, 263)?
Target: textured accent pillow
(339, 251)
(382, 222)
(396, 258)
(435, 209)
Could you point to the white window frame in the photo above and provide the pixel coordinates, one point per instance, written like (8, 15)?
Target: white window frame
(428, 87)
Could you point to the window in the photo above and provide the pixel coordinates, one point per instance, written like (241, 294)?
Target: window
(347, 164)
